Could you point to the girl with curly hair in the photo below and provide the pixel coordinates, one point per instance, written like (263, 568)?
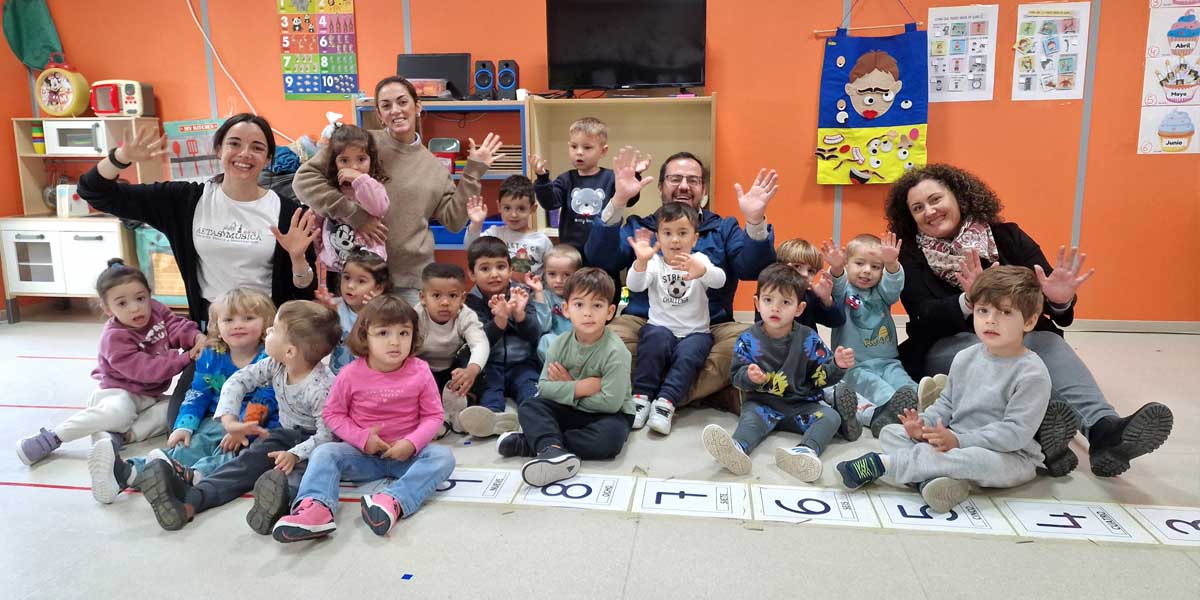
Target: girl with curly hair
(949, 222)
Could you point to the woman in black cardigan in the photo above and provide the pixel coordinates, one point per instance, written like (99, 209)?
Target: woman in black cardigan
(226, 232)
(949, 221)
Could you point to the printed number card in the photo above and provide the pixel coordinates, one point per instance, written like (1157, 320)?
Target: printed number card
(1172, 525)
(478, 485)
(692, 498)
(592, 492)
(318, 49)
(1095, 521)
(801, 504)
(908, 511)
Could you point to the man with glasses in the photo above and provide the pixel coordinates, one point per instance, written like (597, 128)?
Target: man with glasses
(741, 252)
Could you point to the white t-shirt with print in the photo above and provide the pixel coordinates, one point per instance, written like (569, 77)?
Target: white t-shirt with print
(233, 240)
(677, 304)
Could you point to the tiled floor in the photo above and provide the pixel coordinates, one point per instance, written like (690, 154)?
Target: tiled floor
(58, 543)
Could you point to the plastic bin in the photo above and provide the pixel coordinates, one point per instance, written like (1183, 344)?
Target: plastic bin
(158, 263)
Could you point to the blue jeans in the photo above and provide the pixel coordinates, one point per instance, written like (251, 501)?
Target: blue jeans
(415, 478)
(204, 454)
(517, 380)
(667, 366)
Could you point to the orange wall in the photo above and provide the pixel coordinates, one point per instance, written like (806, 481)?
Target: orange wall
(763, 62)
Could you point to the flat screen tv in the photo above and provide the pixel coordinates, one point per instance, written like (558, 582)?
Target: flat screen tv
(611, 44)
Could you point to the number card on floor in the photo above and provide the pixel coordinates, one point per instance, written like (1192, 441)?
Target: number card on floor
(1095, 521)
(909, 511)
(1173, 525)
(489, 486)
(592, 492)
(692, 498)
(801, 504)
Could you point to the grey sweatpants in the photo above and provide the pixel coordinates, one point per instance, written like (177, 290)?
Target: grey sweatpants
(1070, 379)
(815, 421)
(914, 462)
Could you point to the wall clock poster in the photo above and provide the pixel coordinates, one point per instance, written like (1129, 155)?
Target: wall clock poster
(874, 107)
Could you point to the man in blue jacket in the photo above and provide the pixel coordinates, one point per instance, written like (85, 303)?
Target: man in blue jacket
(741, 253)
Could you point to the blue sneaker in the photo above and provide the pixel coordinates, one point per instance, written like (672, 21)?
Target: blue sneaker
(36, 447)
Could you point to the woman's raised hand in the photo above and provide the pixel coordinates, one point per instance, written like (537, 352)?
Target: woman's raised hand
(1060, 286)
(485, 152)
(300, 235)
(145, 145)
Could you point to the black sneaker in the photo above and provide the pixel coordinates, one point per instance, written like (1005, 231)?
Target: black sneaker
(904, 398)
(1055, 434)
(271, 501)
(165, 491)
(551, 465)
(512, 443)
(1140, 433)
(845, 402)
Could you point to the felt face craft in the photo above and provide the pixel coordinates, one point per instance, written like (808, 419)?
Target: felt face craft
(874, 84)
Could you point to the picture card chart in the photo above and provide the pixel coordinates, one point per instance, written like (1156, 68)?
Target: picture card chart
(1051, 51)
(318, 45)
(1096, 521)
(962, 53)
(1170, 107)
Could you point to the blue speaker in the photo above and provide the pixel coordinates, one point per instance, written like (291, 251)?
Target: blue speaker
(507, 79)
(485, 80)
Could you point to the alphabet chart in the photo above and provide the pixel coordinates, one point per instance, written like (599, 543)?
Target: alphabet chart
(317, 45)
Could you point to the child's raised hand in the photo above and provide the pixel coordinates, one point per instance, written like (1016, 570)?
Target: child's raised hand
(940, 437)
(844, 357)
(476, 211)
(326, 299)
(371, 294)
(179, 436)
(557, 372)
(500, 307)
(625, 170)
(643, 249)
(834, 255)
(539, 164)
(518, 300)
(890, 251)
(401, 450)
(822, 285)
(375, 445)
(346, 176)
(462, 380)
(535, 284)
(643, 163)
(691, 264)
(756, 375)
(912, 424)
(284, 460)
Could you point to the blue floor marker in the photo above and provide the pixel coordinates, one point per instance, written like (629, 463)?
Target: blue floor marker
(406, 576)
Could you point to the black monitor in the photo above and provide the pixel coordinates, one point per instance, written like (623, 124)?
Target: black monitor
(454, 68)
(609, 44)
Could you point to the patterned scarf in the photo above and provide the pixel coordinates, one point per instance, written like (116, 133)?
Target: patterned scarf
(945, 256)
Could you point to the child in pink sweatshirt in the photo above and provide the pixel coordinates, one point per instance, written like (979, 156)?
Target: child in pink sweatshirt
(143, 346)
(355, 169)
(386, 408)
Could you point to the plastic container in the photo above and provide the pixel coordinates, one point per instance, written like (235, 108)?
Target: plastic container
(158, 263)
(429, 88)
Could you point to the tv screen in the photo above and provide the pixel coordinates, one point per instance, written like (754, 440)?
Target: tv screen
(606, 44)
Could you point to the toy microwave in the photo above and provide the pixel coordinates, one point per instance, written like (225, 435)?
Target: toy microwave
(122, 98)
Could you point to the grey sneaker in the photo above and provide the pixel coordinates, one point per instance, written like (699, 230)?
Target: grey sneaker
(725, 450)
(1055, 433)
(845, 402)
(36, 447)
(110, 474)
(944, 493)
(904, 398)
(271, 501)
(481, 422)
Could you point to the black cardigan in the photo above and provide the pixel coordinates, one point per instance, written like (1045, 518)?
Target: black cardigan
(170, 206)
(932, 304)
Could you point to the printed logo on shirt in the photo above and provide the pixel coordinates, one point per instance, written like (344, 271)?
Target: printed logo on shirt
(677, 289)
(521, 261)
(776, 384)
(382, 395)
(587, 202)
(882, 337)
(854, 302)
(156, 334)
(235, 233)
(341, 239)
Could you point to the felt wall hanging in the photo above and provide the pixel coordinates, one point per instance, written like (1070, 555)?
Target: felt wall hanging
(874, 107)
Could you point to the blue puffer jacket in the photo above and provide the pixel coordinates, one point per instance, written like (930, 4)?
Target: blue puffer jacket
(722, 240)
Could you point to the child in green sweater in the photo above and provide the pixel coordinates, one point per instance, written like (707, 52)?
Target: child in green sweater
(583, 408)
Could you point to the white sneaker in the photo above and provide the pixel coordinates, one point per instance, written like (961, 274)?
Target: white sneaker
(158, 454)
(800, 462)
(661, 413)
(944, 493)
(725, 450)
(928, 391)
(453, 404)
(642, 403)
(481, 422)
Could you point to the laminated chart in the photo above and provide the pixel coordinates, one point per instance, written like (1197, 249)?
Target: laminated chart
(1170, 107)
(318, 49)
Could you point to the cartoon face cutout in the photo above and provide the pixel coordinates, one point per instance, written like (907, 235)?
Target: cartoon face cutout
(587, 202)
(874, 84)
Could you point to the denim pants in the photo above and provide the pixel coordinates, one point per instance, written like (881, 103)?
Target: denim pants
(415, 478)
(667, 366)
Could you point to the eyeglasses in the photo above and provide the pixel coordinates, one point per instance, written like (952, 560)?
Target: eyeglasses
(692, 180)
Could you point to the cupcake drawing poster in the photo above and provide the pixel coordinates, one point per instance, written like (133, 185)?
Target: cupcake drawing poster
(1051, 51)
(874, 107)
(1170, 102)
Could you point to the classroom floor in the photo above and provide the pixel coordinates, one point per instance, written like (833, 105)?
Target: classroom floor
(59, 543)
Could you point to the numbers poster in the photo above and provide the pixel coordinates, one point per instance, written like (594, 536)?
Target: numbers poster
(318, 49)
(1051, 51)
(1170, 106)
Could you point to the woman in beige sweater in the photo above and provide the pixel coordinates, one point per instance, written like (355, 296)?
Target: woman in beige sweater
(419, 187)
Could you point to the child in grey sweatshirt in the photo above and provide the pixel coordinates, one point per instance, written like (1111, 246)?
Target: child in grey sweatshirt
(981, 429)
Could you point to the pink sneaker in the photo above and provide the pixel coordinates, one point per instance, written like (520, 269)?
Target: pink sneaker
(380, 512)
(310, 520)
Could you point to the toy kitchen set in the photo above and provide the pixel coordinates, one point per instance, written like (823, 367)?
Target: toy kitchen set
(57, 246)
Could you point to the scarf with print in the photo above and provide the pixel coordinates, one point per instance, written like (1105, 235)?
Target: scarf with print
(945, 256)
